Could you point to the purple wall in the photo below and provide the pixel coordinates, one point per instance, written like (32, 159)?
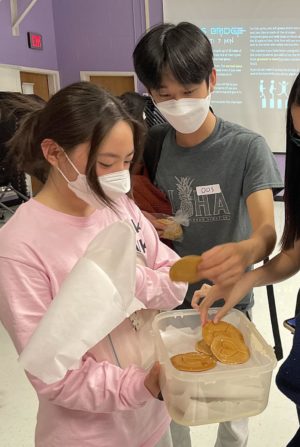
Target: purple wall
(99, 35)
(156, 12)
(92, 35)
(14, 50)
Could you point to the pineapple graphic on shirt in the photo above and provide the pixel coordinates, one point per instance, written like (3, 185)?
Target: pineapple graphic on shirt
(185, 193)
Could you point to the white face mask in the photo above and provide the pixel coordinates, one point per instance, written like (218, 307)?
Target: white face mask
(114, 186)
(186, 115)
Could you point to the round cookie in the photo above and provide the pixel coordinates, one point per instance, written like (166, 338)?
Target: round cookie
(185, 270)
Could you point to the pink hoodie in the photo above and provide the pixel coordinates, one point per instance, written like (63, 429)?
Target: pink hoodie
(103, 403)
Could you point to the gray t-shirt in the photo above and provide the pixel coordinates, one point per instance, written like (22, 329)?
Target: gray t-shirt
(211, 182)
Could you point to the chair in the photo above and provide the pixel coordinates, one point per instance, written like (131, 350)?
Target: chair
(274, 320)
(9, 197)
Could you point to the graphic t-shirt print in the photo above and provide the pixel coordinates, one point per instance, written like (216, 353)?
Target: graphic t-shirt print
(140, 242)
(205, 203)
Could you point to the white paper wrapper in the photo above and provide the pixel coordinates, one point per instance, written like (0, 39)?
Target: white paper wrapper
(96, 296)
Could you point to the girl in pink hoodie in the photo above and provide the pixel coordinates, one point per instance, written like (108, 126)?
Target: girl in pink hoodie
(81, 144)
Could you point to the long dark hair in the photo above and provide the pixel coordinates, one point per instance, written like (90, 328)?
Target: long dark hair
(14, 106)
(291, 232)
(79, 113)
(135, 104)
(183, 49)
(17, 105)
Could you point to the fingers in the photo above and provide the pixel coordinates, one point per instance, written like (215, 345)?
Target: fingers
(203, 311)
(214, 293)
(154, 371)
(222, 265)
(221, 271)
(152, 380)
(232, 295)
(228, 280)
(195, 300)
(215, 257)
(198, 294)
(222, 312)
(209, 255)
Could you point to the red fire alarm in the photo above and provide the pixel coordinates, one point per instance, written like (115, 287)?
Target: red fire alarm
(35, 41)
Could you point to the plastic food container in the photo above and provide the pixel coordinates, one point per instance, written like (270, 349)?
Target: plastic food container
(224, 393)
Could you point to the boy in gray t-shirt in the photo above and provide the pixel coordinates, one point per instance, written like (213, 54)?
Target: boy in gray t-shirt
(219, 174)
(211, 182)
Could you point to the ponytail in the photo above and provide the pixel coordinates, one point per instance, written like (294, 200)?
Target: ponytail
(25, 147)
(15, 108)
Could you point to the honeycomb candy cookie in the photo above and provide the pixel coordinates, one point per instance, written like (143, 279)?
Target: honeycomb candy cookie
(193, 362)
(202, 346)
(230, 351)
(211, 330)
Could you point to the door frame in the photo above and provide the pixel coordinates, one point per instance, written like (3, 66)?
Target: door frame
(86, 75)
(53, 75)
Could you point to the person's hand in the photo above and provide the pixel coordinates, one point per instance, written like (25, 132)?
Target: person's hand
(231, 295)
(205, 297)
(159, 226)
(152, 380)
(225, 264)
(198, 294)
(209, 295)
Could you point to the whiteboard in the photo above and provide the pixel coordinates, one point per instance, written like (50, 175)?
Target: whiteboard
(256, 55)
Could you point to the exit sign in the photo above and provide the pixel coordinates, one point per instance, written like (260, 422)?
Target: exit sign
(35, 41)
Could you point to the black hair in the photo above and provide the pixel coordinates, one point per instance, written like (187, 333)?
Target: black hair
(183, 49)
(291, 232)
(79, 113)
(135, 104)
(14, 106)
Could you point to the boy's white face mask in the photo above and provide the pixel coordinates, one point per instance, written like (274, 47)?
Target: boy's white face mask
(186, 115)
(114, 186)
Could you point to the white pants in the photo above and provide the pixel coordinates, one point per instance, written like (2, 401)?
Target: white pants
(230, 434)
(181, 436)
(233, 434)
(166, 440)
